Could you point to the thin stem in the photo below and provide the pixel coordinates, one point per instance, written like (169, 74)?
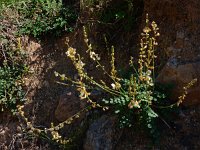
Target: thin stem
(114, 92)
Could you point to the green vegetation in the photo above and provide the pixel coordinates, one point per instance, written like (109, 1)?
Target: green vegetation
(12, 70)
(136, 96)
(12, 62)
(39, 18)
(11, 92)
(6, 2)
(121, 15)
(42, 17)
(35, 18)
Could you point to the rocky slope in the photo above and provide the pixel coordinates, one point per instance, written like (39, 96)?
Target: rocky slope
(179, 23)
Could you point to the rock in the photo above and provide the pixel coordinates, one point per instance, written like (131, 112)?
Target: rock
(179, 42)
(180, 75)
(69, 104)
(102, 134)
(4, 135)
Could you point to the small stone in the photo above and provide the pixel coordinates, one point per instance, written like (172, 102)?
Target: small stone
(19, 129)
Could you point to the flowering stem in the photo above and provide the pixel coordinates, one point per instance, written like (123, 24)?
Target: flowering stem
(116, 93)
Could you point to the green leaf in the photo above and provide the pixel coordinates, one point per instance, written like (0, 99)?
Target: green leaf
(117, 111)
(151, 113)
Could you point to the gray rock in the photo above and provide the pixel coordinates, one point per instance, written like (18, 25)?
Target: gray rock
(102, 134)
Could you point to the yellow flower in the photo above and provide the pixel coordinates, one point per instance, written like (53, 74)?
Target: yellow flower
(146, 30)
(94, 56)
(133, 103)
(71, 52)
